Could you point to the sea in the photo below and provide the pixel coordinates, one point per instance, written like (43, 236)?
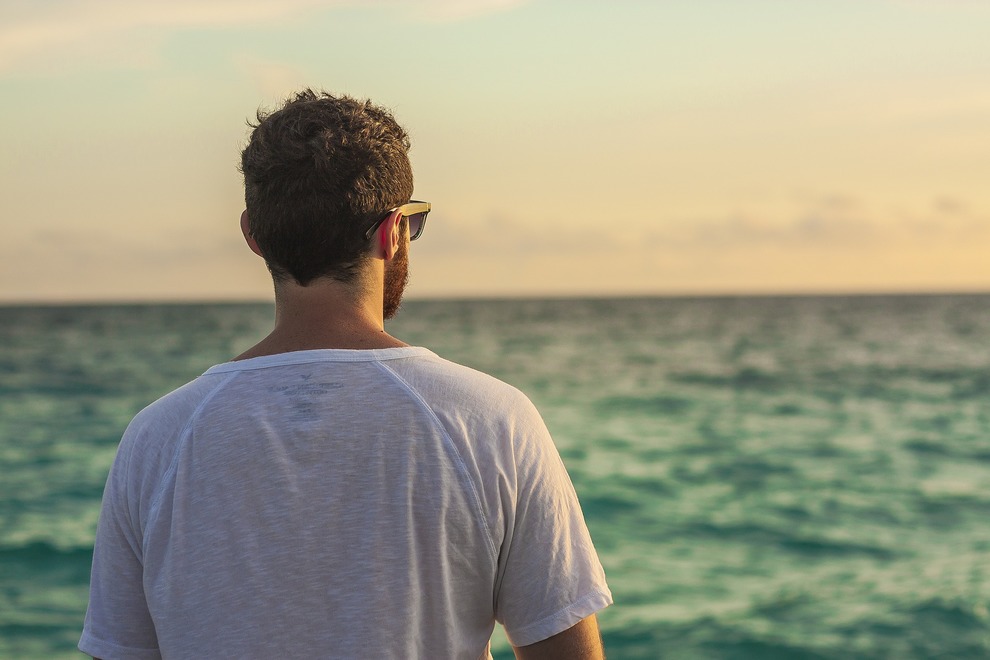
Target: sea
(764, 477)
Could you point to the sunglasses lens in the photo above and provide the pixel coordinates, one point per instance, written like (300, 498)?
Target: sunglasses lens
(417, 221)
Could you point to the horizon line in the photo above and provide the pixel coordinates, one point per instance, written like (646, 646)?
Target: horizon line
(502, 297)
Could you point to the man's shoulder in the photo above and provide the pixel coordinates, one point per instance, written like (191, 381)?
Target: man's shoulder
(151, 439)
(466, 400)
(173, 409)
(451, 380)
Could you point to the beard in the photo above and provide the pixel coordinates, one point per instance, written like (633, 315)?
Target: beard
(396, 278)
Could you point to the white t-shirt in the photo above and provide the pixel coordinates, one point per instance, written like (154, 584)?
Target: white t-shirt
(334, 503)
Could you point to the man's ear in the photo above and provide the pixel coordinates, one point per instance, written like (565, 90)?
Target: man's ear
(246, 230)
(390, 236)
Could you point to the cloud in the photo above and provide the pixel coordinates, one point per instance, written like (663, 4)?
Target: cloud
(829, 223)
(940, 4)
(81, 248)
(449, 11)
(497, 233)
(834, 222)
(69, 24)
(271, 79)
(63, 27)
(97, 263)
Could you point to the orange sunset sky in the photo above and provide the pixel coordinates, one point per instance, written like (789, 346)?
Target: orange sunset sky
(568, 148)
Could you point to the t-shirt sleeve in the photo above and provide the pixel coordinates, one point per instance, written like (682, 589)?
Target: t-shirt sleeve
(118, 623)
(550, 577)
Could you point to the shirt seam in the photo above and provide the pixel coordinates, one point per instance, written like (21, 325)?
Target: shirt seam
(371, 355)
(172, 466)
(459, 460)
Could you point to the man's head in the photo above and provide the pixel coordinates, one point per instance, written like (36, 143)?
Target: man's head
(317, 173)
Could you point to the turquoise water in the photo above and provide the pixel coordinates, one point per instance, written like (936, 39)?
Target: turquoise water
(763, 477)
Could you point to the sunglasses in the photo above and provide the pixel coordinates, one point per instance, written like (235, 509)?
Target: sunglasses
(415, 212)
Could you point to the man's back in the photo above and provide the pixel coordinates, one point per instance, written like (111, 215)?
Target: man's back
(380, 503)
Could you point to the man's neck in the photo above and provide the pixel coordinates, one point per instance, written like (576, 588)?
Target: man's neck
(325, 314)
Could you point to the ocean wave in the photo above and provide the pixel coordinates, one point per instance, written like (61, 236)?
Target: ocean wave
(707, 638)
(747, 378)
(931, 628)
(766, 536)
(40, 553)
(658, 405)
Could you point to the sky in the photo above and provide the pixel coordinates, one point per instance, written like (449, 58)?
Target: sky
(569, 148)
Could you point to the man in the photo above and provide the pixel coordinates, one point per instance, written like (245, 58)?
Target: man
(334, 492)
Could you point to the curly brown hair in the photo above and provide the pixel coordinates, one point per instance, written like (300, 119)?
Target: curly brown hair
(317, 173)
